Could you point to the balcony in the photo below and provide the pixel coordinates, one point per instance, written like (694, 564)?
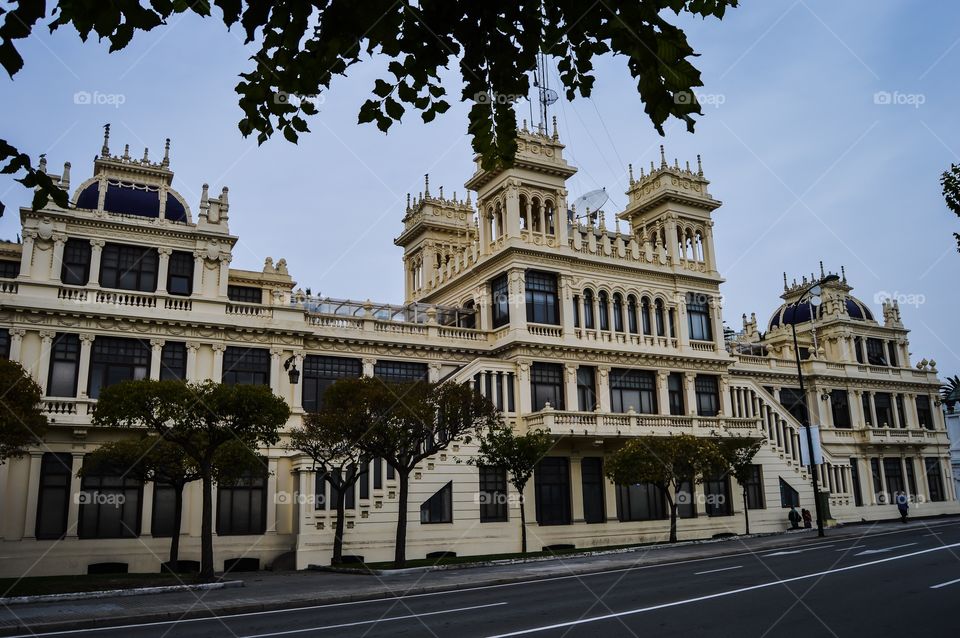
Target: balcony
(900, 436)
(631, 424)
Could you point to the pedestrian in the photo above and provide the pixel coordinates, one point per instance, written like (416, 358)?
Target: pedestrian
(903, 505)
(794, 517)
(807, 518)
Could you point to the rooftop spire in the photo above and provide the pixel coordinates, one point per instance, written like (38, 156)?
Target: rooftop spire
(105, 149)
(65, 178)
(426, 185)
(555, 135)
(663, 157)
(699, 167)
(630, 168)
(146, 154)
(785, 286)
(166, 153)
(822, 273)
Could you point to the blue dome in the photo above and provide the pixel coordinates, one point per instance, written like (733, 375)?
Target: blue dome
(127, 198)
(801, 313)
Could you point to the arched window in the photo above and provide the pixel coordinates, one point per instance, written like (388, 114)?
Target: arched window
(632, 314)
(523, 212)
(588, 309)
(468, 318)
(661, 323)
(602, 302)
(645, 315)
(617, 312)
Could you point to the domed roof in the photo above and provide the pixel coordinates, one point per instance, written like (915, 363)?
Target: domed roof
(786, 314)
(130, 198)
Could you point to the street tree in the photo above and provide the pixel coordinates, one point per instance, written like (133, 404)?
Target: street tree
(517, 454)
(407, 422)
(950, 183)
(201, 419)
(22, 422)
(328, 437)
(738, 460)
(666, 462)
(494, 47)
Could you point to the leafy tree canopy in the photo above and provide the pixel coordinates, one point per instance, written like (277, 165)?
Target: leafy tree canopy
(665, 460)
(304, 44)
(22, 423)
(950, 182)
(518, 454)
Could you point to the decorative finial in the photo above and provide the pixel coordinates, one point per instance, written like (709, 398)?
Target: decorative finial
(699, 167)
(43, 163)
(126, 151)
(204, 195)
(843, 273)
(651, 167)
(469, 203)
(555, 135)
(146, 154)
(785, 287)
(408, 201)
(663, 157)
(65, 178)
(224, 203)
(676, 163)
(630, 167)
(688, 166)
(441, 192)
(166, 153)
(641, 173)
(822, 273)
(524, 125)
(105, 150)
(426, 184)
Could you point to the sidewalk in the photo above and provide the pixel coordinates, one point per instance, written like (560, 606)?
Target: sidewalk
(269, 590)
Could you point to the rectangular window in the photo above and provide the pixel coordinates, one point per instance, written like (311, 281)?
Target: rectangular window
(901, 412)
(867, 411)
(552, 481)
(546, 385)
(876, 354)
(686, 500)
(794, 402)
(75, 270)
(576, 311)
(493, 494)
(911, 476)
(500, 296)
(320, 372)
(110, 507)
(242, 505)
(245, 294)
(883, 405)
(633, 389)
(591, 471)
(640, 502)
(892, 351)
(675, 393)
(855, 479)
(754, 487)
(924, 415)
(249, 366)
(541, 297)
(716, 489)
(9, 268)
(893, 473)
(586, 389)
(400, 371)
(320, 489)
(840, 408)
(116, 359)
(180, 273)
(53, 496)
(708, 395)
(364, 482)
(64, 365)
(858, 348)
(439, 507)
(377, 473)
(4, 343)
(129, 267)
(877, 480)
(934, 478)
(164, 506)
(698, 317)
(173, 361)
(588, 309)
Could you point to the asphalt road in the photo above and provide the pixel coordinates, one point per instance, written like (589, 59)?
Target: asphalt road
(892, 584)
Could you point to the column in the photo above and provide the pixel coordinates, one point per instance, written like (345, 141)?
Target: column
(197, 273)
(146, 517)
(218, 349)
(26, 261)
(162, 268)
(883, 481)
(910, 405)
(33, 492)
(96, 250)
(524, 403)
(433, 372)
(718, 337)
(275, 370)
(56, 268)
(896, 411)
(298, 388)
(16, 343)
(43, 367)
(192, 348)
(825, 407)
(567, 311)
(610, 500)
(903, 473)
(517, 301)
(663, 392)
(368, 366)
(224, 274)
(4, 484)
(576, 489)
(73, 507)
(83, 373)
(683, 329)
(690, 400)
(603, 388)
(570, 387)
(858, 414)
(156, 356)
(272, 503)
(724, 387)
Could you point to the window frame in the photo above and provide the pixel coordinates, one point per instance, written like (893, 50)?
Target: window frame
(116, 359)
(541, 297)
(500, 300)
(243, 365)
(121, 261)
(64, 344)
(438, 509)
(492, 491)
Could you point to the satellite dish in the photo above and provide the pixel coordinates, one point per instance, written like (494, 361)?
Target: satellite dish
(590, 202)
(548, 96)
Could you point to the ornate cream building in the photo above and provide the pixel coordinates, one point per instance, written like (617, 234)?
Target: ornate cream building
(564, 320)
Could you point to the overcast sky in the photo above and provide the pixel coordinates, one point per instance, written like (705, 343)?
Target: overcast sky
(826, 126)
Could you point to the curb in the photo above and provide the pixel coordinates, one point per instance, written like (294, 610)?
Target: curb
(118, 593)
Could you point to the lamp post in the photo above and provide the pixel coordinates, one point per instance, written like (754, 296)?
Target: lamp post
(814, 292)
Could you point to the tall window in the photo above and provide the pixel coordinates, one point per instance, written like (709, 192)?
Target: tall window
(934, 474)
(500, 296)
(617, 312)
(586, 389)
(64, 365)
(924, 415)
(658, 314)
(242, 505)
(75, 270)
(604, 310)
(893, 473)
(882, 404)
(708, 396)
(546, 385)
(645, 315)
(717, 491)
(164, 504)
(9, 268)
(493, 494)
(552, 480)
(591, 471)
(892, 351)
(686, 506)
(632, 315)
(754, 487)
(110, 507)
(53, 495)
(858, 348)
(249, 366)
(129, 267)
(115, 359)
(576, 311)
(588, 309)
(675, 393)
(633, 389)
(439, 507)
(698, 317)
(867, 411)
(640, 502)
(877, 480)
(245, 294)
(793, 400)
(541, 297)
(840, 407)
(400, 371)
(855, 479)
(901, 412)
(173, 361)
(319, 373)
(876, 355)
(180, 273)
(4, 343)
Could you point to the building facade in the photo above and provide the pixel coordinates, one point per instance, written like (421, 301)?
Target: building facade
(596, 329)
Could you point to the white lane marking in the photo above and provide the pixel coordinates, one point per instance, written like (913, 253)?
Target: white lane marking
(797, 551)
(847, 549)
(882, 550)
(949, 582)
(372, 622)
(722, 594)
(387, 599)
(713, 571)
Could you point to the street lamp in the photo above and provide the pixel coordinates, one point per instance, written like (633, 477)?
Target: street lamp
(814, 291)
(290, 365)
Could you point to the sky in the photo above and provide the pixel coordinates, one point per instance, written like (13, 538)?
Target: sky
(826, 126)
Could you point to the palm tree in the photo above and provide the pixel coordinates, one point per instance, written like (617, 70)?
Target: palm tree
(950, 392)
